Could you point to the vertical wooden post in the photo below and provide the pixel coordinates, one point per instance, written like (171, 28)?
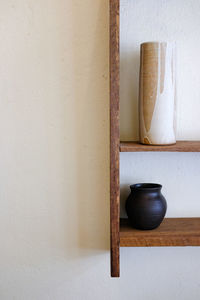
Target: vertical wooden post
(114, 136)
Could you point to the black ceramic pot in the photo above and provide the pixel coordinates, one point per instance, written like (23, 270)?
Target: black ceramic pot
(146, 206)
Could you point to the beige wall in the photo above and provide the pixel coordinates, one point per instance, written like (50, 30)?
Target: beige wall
(54, 164)
(54, 149)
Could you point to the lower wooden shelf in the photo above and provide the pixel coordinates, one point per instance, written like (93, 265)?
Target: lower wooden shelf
(172, 232)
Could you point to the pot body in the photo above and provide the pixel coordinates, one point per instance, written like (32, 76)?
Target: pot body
(157, 107)
(146, 206)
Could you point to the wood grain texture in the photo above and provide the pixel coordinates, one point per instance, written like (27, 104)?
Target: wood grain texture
(172, 232)
(114, 136)
(180, 146)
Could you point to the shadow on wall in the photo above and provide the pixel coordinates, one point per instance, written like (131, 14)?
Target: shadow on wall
(89, 40)
(129, 121)
(124, 192)
(129, 93)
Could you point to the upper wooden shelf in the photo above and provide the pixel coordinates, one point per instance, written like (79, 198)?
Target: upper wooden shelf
(172, 232)
(180, 146)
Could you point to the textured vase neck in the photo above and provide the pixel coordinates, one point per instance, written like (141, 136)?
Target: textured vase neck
(146, 187)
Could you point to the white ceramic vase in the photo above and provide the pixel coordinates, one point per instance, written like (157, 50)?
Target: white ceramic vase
(157, 107)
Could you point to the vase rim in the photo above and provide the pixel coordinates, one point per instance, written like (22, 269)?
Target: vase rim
(159, 42)
(146, 186)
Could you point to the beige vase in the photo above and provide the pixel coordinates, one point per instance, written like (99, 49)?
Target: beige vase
(157, 107)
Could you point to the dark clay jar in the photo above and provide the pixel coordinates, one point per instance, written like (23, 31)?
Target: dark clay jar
(146, 206)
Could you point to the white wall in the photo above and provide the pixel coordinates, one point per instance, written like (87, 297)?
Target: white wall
(162, 273)
(177, 21)
(161, 20)
(54, 160)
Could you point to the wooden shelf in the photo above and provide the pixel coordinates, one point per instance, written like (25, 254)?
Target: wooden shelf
(172, 232)
(180, 146)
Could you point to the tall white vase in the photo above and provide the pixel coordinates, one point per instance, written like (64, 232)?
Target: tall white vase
(157, 106)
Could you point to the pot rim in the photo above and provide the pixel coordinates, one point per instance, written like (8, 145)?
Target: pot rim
(146, 186)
